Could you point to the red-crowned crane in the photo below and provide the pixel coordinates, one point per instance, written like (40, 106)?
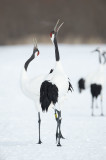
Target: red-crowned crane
(47, 91)
(31, 87)
(95, 81)
(55, 87)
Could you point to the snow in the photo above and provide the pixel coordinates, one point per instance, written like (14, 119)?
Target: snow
(85, 135)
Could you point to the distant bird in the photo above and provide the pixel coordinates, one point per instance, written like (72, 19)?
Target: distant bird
(95, 81)
(55, 87)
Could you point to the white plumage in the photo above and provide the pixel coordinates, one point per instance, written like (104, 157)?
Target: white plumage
(31, 87)
(47, 90)
(96, 80)
(59, 78)
(97, 77)
(56, 83)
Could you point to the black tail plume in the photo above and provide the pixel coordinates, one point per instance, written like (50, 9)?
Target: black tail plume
(81, 84)
(95, 90)
(48, 94)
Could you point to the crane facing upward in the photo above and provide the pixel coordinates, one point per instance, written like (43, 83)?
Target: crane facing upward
(55, 87)
(31, 87)
(47, 90)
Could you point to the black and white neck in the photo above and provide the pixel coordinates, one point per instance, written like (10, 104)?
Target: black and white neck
(28, 61)
(57, 56)
(104, 56)
(35, 50)
(98, 50)
(100, 61)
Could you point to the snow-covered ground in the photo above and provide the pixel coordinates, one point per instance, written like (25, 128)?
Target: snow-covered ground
(85, 135)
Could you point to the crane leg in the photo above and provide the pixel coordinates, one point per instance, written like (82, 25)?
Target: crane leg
(58, 130)
(57, 113)
(101, 106)
(92, 106)
(96, 103)
(61, 136)
(39, 123)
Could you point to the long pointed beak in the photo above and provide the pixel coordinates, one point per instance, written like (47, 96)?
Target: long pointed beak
(60, 26)
(35, 42)
(56, 29)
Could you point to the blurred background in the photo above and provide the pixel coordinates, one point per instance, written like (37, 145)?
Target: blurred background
(84, 21)
(83, 31)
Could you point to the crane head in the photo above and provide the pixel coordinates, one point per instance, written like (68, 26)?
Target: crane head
(98, 49)
(54, 33)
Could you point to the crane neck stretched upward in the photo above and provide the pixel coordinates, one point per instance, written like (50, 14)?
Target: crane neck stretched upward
(28, 61)
(100, 57)
(57, 56)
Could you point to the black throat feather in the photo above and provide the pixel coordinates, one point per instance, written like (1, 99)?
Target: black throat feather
(56, 50)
